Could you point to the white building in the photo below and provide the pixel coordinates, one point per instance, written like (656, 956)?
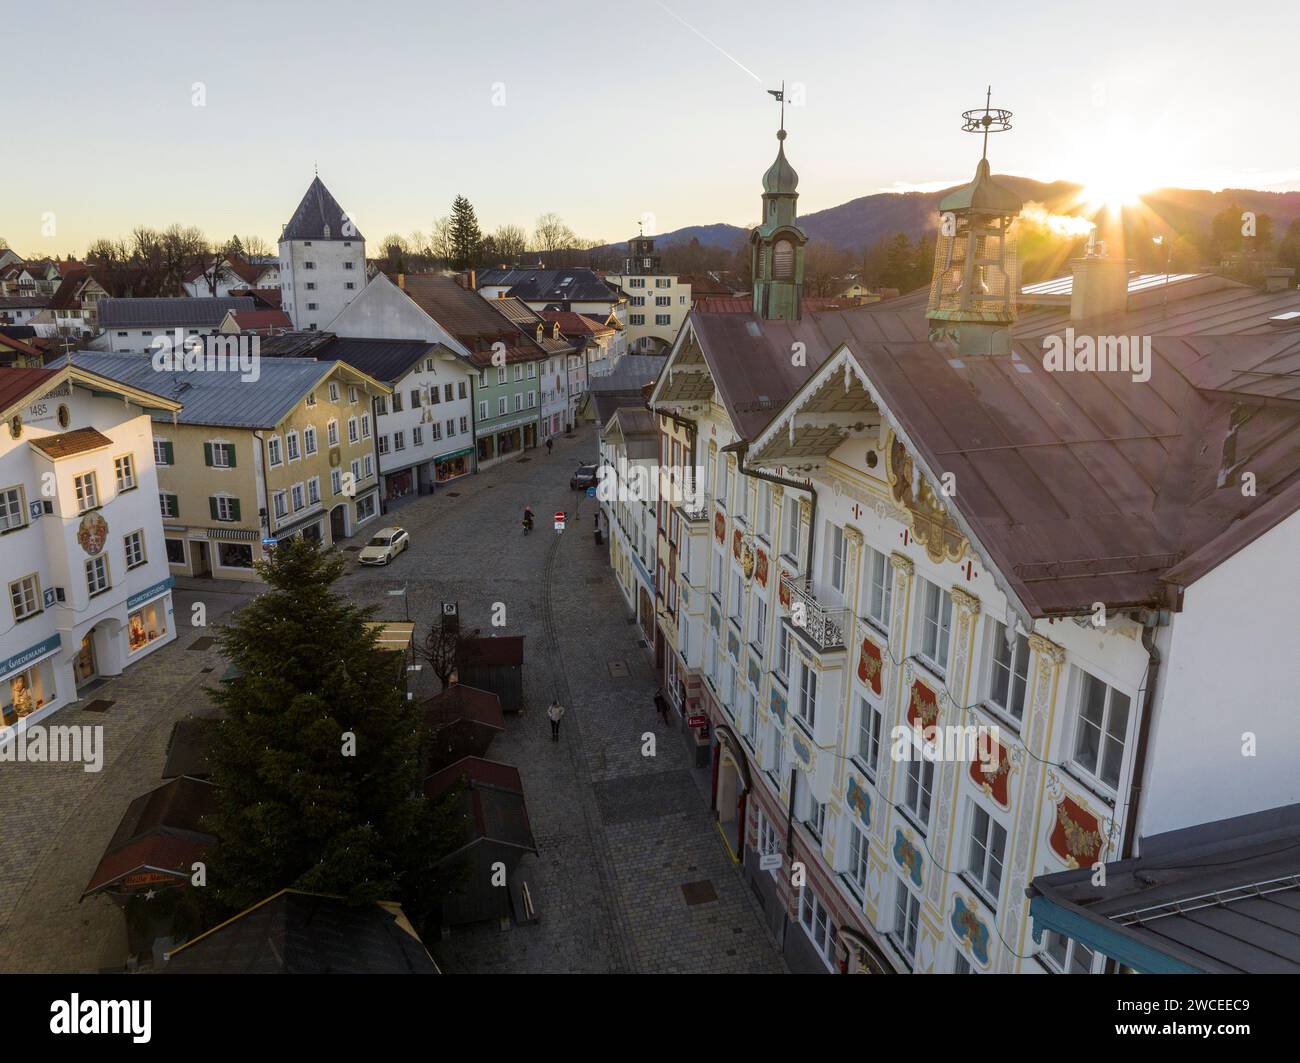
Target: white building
(84, 562)
(130, 326)
(322, 260)
(657, 302)
(425, 429)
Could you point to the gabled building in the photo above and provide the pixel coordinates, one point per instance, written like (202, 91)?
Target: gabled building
(553, 375)
(657, 301)
(133, 325)
(322, 260)
(959, 608)
(577, 288)
(247, 463)
(89, 588)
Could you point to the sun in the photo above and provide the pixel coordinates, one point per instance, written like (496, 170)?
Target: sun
(1113, 192)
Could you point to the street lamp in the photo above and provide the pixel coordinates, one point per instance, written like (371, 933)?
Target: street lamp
(1168, 245)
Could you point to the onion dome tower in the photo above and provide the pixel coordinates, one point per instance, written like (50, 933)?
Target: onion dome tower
(976, 274)
(777, 245)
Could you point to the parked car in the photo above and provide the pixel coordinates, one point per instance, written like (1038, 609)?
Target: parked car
(384, 545)
(583, 477)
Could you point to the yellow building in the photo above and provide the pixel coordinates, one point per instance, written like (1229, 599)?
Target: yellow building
(283, 447)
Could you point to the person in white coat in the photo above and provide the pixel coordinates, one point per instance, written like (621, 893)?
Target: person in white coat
(555, 713)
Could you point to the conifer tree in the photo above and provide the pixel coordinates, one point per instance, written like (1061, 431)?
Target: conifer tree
(318, 754)
(466, 237)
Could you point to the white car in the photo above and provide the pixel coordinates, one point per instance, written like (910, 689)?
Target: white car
(385, 545)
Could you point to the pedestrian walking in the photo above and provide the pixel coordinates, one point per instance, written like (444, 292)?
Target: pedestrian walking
(661, 704)
(555, 713)
(550, 445)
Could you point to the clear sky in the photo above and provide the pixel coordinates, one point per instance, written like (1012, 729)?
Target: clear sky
(605, 110)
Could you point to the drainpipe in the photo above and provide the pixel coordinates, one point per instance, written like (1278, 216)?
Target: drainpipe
(1150, 620)
(740, 449)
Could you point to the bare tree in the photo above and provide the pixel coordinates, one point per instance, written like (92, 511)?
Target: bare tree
(551, 234)
(440, 246)
(440, 651)
(510, 242)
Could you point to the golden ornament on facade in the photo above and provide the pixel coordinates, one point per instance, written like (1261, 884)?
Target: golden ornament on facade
(932, 525)
(747, 559)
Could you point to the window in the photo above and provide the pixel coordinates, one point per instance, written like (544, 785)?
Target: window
(313, 490)
(737, 596)
(383, 444)
(309, 439)
(298, 496)
(519, 402)
(133, 545)
(663, 319)
(758, 623)
(273, 451)
(816, 821)
(369, 464)
(25, 597)
(783, 652)
(482, 410)
(870, 725)
(279, 504)
(451, 426)
(464, 425)
(907, 919)
(767, 837)
(807, 704)
(354, 430)
(175, 551)
(920, 785)
(857, 856)
(816, 921)
(502, 408)
(936, 624)
(87, 496)
(399, 440)
(219, 455)
(724, 481)
(417, 436)
(1067, 956)
(226, 508)
(519, 372)
(838, 558)
(791, 537)
(663, 300)
(636, 319)
(163, 454)
(397, 402)
(1101, 729)
(988, 846)
(334, 391)
(311, 398)
(461, 391)
(961, 965)
(234, 555)
(13, 513)
(336, 480)
(332, 433)
(97, 575)
(291, 446)
(169, 504)
(415, 398)
(880, 588)
(356, 471)
(1009, 671)
(381, 405)
(365, 426)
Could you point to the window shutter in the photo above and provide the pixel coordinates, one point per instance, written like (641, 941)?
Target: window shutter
(212, 506)
(207, 454)
(230, 452)
(169, 455)
(234, 508)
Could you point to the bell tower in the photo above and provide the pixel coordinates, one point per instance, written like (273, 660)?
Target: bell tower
(777, 245)
(976, 274)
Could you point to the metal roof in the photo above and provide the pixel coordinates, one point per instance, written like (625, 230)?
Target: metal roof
(1220, 897)
(206, 312)
(215, 398)
(1137, 282)
(319, 217)
(386, 360)
(578, 284)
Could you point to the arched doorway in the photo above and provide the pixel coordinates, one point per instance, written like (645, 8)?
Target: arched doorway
(731, 790)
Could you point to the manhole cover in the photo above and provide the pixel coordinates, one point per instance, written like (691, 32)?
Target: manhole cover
(701, 892)
(617, 669)
(202, 643)
(99, 705)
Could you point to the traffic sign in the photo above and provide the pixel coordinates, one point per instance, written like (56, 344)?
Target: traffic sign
(559, 520)
(591, 492)
(268, 542)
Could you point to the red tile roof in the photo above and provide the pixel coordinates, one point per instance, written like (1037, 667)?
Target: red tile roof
(66, 444)
(460, 701)
(576, 325)
(16, 384)
(260, 320)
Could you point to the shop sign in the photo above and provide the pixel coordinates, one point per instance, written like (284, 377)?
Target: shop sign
(21, 660)
(140, 597)
(696, 721)
(769, 862)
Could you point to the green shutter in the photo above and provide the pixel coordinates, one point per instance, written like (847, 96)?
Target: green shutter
(212, 506)
(169, 455)
(234, 509)
(230, 454)
(176, 505)
(207, 454)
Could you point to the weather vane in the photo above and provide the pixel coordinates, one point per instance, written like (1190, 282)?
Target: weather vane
(989, 120)
(779, 96)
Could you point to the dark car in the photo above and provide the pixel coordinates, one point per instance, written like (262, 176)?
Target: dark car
(583, 477)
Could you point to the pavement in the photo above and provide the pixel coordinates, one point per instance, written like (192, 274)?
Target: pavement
(620, 833)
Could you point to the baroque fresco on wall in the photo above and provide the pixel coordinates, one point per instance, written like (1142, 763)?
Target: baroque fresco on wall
(1076, 835)
(870, 666)
(970, 929)
(907, 855)
(859, 800)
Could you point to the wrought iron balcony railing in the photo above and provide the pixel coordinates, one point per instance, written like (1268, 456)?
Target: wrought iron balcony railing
(824, 627)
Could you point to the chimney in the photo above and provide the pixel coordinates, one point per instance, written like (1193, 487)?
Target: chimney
(1100, 283)
(1278, 278)
(469, 281)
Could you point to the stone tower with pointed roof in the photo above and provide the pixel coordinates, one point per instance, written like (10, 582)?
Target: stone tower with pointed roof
(322, 260)
(777, 245)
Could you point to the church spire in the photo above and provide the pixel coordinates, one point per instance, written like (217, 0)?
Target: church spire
(777, 245)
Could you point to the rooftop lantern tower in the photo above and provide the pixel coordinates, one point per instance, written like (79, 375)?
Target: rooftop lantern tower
(976, 274)
(777, 245)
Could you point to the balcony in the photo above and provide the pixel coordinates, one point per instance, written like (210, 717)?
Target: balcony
(694, 512)
(823, 627)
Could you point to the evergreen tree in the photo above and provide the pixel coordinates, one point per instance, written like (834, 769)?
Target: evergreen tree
(318, 755)
(466, 237)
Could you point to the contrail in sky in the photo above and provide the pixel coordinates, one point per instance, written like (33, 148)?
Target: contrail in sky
(711, 44)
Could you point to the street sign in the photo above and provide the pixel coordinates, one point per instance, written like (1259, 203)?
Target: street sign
(268, 542)
(769, 862)
(591, 492)
(696, 721)
(559, 520)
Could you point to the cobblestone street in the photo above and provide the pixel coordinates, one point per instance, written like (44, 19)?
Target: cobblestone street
(619, 833)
